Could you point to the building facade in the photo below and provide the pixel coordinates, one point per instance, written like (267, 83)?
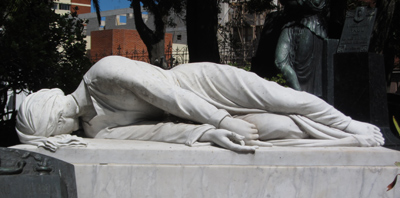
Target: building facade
(117, 35)
(67, 6)
(123, 42)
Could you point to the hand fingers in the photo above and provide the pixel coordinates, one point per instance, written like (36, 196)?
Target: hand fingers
(254, 136)
(258, 143)
(227, 142)
(241, 149)
(236, 137)
(253, 126)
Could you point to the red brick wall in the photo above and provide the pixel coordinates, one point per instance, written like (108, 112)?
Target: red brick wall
(107, 42)
(81, 9)
(101, 44)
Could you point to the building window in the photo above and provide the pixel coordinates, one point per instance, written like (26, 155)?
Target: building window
(179, 37)
(55, 6)
(65, 7)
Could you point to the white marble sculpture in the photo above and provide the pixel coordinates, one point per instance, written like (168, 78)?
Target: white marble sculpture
(124, 99)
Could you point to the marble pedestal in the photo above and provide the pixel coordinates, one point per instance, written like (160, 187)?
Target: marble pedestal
(122, 168)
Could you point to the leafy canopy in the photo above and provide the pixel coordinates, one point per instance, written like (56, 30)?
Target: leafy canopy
(39, 48)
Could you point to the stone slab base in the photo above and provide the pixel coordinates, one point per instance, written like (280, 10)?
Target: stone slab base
(121, 168)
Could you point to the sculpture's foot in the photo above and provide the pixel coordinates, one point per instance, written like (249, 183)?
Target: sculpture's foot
(363, 128)
(367, 140)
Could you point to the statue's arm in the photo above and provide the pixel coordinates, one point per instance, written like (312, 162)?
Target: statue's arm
(157, 131)
(181, 133)
(163, 94)
(290, 76)
(282, 59)
(186, 104)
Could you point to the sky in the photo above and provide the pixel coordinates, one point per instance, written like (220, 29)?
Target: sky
(112, 5)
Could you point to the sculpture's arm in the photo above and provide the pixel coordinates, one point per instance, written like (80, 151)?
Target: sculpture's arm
(149, 84)
(158, 88)
(282, 59)
(187, 134)
(155, 131)
(185, 104)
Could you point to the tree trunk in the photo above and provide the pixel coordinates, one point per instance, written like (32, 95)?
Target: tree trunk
(154, 40)
(156, 53)
(202, 26)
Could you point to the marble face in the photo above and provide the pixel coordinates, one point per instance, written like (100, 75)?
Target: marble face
(66, 125)
(68, 118)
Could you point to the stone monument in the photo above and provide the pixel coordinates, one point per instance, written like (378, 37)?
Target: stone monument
(30, 174)
(121, 98)
(357, 30)
(131, 168)
(359, 75)
(124, 99)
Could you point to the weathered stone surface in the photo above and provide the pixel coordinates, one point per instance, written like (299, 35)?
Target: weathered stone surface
(357, 30)
(128, 168)
(29, 174)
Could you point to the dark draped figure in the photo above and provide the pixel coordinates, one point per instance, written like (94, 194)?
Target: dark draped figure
(299, 46)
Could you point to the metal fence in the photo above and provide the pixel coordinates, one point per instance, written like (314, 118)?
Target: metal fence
(240, 56)
(174, 55)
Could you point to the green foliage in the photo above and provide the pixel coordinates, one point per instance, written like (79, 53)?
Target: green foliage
(278, 79)
(396, 125)
(246, 67)
(253, 6)
(38, 49)
(41, 49)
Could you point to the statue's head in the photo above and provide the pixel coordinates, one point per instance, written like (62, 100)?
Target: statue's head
(46, 113)
(40, 114)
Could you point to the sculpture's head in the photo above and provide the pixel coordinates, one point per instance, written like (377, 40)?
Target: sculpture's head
(41, 115)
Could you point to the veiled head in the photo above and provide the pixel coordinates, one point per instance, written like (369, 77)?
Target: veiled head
(40, 113)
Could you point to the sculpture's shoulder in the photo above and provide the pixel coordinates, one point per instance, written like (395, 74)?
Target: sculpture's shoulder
(114, 63)
(116, 66)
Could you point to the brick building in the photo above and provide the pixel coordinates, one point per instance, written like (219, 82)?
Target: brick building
(117, 35)
(84, 6)
(126, 42)
(67, 6)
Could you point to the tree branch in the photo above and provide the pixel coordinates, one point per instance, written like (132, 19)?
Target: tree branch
(145, 32)
(97, 7)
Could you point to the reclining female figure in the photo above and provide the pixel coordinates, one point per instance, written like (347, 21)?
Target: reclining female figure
(121, 98)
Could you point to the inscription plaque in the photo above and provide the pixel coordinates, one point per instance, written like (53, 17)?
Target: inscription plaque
(357, 30)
